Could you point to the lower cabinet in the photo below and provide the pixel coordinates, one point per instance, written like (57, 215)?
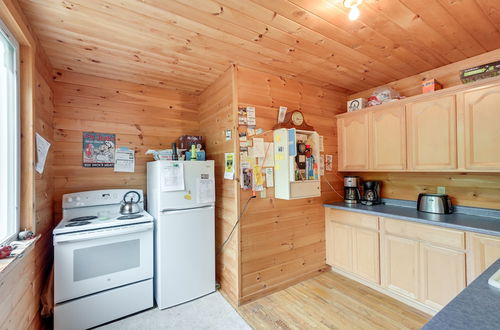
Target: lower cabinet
(424, 265)
(442, 274)
(365, 249)
(421, 266)
(482, 251)
(400, 264)
(353, 248)
(341, 252)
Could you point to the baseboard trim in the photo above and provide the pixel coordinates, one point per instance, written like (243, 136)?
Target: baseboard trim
(282, 285)
(415, 304)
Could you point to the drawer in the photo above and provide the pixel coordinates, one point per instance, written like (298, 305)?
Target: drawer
(428, 233)
(352, 218)
(305, 189)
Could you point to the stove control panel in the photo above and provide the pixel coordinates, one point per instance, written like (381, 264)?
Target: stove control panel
(96, 198)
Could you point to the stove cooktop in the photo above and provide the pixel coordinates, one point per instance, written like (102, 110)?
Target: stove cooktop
(85, 218)
(78, 222)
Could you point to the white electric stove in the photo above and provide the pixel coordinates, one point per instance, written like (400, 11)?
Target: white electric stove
(103, 261)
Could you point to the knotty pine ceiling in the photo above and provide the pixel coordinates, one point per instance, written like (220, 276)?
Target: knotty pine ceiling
(187, 44)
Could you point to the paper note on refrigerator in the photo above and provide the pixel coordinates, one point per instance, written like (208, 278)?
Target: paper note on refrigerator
(172, 177)
(205, 192)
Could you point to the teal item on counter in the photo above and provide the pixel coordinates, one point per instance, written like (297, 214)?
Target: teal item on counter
(200, 155)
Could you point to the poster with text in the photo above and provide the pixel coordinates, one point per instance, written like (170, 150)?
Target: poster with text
(98, 149)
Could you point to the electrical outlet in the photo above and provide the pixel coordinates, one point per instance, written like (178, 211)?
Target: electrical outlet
(441, 190)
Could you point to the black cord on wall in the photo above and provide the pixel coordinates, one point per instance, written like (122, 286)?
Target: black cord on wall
(235, 224)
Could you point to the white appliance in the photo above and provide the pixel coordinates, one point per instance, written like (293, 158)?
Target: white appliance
(103, 261)
(181, 197)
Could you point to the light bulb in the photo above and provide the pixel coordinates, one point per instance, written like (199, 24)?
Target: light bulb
(354, 13)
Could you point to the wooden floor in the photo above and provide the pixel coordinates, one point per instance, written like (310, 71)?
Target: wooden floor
(330, 301)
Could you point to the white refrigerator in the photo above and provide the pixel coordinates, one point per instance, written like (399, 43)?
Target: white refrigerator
(181, 198)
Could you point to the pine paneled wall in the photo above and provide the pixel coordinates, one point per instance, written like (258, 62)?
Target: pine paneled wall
(448, 75)
(217, 114)
(282, 242)
(466, 189)
(22, 283)
(142, 118)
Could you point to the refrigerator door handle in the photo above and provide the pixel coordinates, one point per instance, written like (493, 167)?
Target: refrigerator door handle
(186, 209)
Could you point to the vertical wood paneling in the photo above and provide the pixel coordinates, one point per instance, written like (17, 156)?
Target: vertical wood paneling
(142, 118)
(217, 114)
(282, 241)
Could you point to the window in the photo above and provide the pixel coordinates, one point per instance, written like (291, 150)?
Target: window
(9, 136)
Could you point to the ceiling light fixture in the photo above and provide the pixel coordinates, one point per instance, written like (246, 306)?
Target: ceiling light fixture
(354, 10)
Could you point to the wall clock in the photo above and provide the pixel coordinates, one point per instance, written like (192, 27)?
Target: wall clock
(294, 119)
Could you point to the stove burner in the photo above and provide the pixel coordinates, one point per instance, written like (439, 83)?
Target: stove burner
(77, 223)
(129, 217)
(85, 218)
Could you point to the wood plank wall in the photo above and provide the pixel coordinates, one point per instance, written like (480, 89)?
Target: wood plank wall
(142, 118)
(282, 242)
(217, 114)
(22, 284)
(467, 189)
(448, 75)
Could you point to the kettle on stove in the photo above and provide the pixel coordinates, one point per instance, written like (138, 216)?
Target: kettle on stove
(132, 206)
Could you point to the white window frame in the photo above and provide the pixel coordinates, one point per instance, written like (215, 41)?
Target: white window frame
(14, 153)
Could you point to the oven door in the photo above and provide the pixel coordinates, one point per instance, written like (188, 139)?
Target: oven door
(93, 261)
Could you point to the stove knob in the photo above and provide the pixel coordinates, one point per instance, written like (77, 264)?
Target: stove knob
(77, 198)
(69, 199)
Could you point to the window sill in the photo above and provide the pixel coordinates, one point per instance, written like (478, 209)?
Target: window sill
(17, 254)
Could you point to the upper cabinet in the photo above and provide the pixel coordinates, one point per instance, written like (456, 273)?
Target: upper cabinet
(454, 130)
(481, 117)
(387, 143)
(353, 142)
(432, 135)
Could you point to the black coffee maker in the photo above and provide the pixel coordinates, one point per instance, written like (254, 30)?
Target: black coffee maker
(371, 193)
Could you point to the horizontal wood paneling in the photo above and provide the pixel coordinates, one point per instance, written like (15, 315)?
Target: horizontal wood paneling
(217, 114)
(282, 241)
(186, 45)
(448, 75)
(466, 189)
(142, 118)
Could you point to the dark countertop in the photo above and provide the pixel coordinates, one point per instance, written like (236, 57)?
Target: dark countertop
(483, 221)
(476, 307)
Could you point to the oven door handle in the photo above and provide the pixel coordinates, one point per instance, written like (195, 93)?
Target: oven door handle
(103, 233)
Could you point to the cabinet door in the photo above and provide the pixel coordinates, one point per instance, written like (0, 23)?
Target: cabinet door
(399, 265)
(482, 129)
(388, 139)
(366, 254)
(329, 239)
(353, 142)
(483, 251)
(432, 138)
(442, 275)
(341, 246)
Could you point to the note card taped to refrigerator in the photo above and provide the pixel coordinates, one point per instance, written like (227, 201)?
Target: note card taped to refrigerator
(173, 177)
(205, 192)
